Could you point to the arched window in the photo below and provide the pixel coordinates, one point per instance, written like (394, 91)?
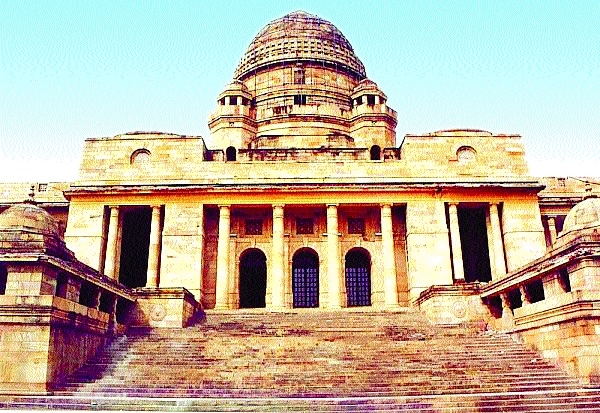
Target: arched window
(358, 277)
(375, 152)
(140, 156)
(231, 154)
(466, 154)
(305, 278)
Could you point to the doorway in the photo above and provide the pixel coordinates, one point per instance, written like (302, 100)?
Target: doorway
(253, 279)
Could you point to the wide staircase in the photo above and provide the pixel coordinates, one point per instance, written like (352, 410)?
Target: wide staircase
(317, 361)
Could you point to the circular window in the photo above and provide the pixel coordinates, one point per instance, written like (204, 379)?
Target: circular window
(140, 156)
(465, 154)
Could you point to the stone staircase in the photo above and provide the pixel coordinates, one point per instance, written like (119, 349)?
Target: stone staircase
(313, 360)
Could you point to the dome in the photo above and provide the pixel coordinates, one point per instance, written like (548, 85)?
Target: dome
(297, 37)
(28, 216)
(236, 88)
(584, 215)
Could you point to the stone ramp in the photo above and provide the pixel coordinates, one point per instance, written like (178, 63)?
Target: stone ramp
(318, 361)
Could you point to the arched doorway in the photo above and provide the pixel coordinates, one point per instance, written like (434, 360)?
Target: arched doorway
(253, 279)
(231, 154)
(358, 277)
(375, 153)
(305, 278)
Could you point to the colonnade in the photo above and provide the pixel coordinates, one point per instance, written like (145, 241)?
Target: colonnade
(334, 274)
(495, 242)
(153, 249)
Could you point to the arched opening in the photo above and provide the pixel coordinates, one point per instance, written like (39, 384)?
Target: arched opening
(358, 277)
(231, 154)
(305, 278)
(253, 279)
(375, 153)
(3, 278)
(135, 241)
(140, 156)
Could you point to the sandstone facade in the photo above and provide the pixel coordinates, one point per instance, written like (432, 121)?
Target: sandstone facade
(304, 198)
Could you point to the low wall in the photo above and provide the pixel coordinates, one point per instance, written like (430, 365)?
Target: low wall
(566, 330)
(45, 338)
(453, 304)
(163, 308)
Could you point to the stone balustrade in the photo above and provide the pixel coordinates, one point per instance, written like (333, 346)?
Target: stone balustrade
(48, 307)
(553, 304)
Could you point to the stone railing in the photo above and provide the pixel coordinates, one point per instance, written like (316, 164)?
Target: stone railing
(553, 304)
(546, 282)
(54, 315)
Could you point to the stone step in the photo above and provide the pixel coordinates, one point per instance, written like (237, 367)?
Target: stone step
(310, 360)
(510, 402)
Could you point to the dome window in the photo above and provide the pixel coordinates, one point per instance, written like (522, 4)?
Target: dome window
(371, 100)
(465, 154)
(230, 154)
(300, 100)
(375, 153)
(3, 278)
(140, 156)
(299, 76)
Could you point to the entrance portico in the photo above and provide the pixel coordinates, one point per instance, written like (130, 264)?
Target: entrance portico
(306, 247)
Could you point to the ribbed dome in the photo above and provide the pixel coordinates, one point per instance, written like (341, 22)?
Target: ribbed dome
(300, 37)
(27, 216)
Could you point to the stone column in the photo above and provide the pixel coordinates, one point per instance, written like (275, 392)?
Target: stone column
(154, 248)
(277, 269)
(389, 260)
(499, 263)
(222, 285)
(111, 243)
(112, 318)
(490, 240)
(333, 257)
(457, 257)
(552, 284)
(524, 296)
(552, 229)
(506, 310)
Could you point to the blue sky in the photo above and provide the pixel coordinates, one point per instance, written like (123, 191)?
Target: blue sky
(74, 70)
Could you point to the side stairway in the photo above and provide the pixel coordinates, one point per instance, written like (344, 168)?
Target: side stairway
(311, 360)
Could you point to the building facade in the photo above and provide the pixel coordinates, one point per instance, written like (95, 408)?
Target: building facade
(305, 199)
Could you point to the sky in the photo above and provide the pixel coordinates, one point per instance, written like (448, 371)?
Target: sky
(76, 70)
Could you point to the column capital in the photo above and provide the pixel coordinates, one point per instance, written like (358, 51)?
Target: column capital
(332, 205)
(494, 203)
(278, 206)
(224, 206)
(386, 204)
(453, 203)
